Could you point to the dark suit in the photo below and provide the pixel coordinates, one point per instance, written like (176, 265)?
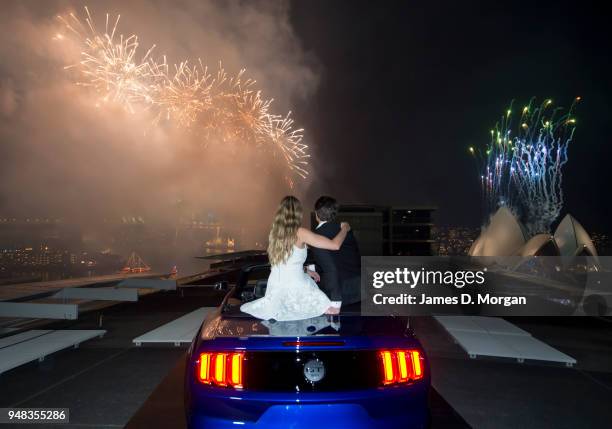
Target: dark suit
(340, 271)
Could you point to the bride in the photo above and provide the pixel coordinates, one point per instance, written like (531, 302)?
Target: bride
(291, 294)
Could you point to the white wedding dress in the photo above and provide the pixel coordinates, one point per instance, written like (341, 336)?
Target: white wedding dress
(291, 294)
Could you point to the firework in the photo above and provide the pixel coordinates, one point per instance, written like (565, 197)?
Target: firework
(219, 107)
(521, 167)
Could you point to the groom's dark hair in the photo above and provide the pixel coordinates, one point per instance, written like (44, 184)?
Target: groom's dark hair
(326, 208)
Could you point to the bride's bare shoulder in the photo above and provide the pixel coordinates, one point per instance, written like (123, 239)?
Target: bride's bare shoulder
(303, 233)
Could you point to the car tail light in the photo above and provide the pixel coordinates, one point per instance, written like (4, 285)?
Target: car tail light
(401, 366)
(220, 369)
(235, 378)
(203, 367)
(219, 374)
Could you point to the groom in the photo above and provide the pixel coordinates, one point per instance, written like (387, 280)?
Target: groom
(340, 271)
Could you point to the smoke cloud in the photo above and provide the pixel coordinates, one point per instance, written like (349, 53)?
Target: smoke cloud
(64, 155)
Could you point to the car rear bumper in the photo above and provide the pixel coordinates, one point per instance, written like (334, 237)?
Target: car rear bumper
(395, 407)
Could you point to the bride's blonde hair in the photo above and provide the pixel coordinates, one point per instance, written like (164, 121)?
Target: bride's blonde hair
(283, 234)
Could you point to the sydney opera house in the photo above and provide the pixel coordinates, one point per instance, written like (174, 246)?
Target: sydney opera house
(506, 236)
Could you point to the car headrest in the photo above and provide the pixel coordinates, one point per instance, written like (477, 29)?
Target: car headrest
(260, 288)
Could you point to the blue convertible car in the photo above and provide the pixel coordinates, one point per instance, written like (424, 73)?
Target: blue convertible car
(345, 371)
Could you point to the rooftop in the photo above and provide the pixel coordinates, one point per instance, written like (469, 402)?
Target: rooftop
(110, 382)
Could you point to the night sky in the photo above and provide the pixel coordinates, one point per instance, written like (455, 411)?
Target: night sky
(405, 87)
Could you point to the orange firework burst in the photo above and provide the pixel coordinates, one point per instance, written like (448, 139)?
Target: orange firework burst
(224, 108)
